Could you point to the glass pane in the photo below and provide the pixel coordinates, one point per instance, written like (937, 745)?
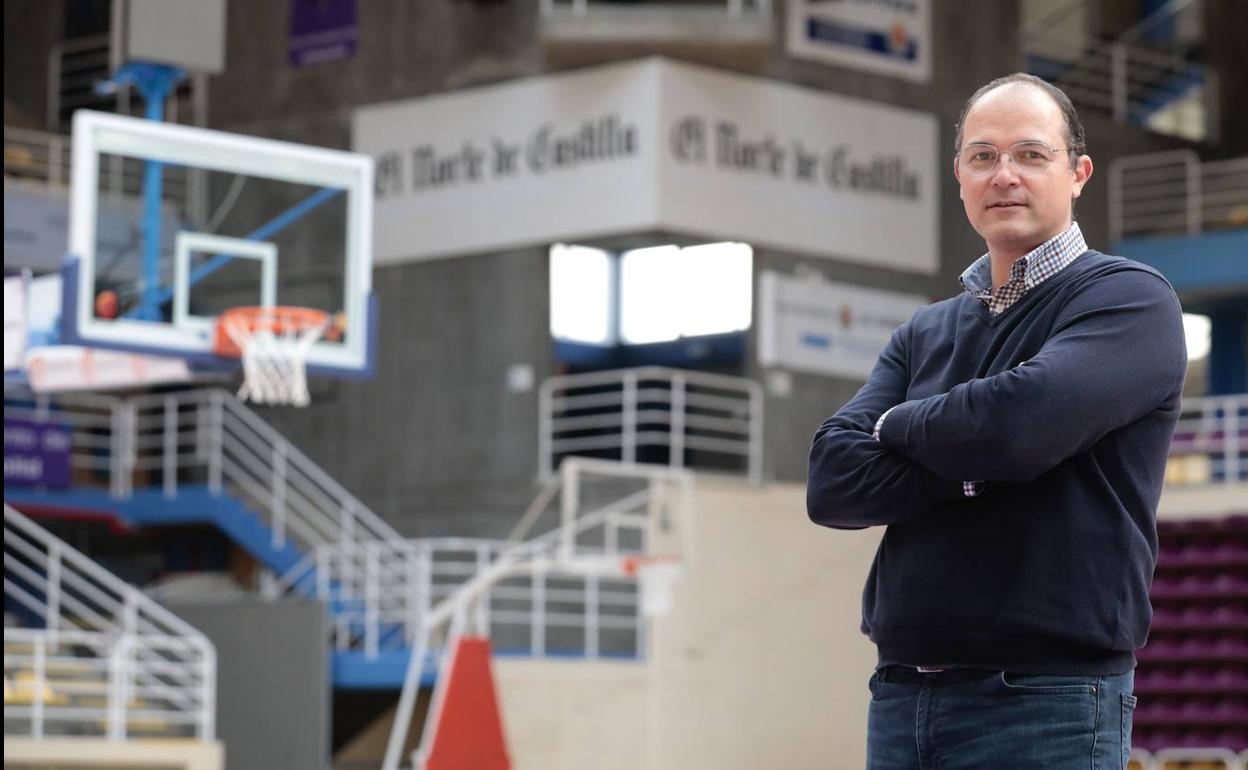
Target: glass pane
(719, 277)
(580, 294)
(668, 292)
(652, 295)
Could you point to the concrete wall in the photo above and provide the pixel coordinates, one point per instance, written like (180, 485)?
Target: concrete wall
(273, 683)
(760, 665)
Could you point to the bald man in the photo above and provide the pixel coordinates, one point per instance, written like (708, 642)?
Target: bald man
(1013, 440)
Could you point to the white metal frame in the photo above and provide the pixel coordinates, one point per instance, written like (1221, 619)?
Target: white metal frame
(108, 661)
(687, 405)
(97, 134)
(185, 243)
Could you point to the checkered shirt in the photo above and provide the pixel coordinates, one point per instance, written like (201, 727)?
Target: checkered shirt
(1027, 272)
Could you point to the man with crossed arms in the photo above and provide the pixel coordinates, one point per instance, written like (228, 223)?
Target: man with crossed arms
(1013, 439)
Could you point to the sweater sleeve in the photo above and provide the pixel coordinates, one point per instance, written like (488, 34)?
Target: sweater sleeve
(853, 481)
(1116, 353)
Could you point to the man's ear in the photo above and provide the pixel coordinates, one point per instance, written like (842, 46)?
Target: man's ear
(1083, 172)
(957, 175)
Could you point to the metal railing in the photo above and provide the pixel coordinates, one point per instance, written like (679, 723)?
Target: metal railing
(1129, 77)
(1175, 193)
(106, 660)
(1210, 442)
(383, 592)
(42, 158)
(730, 8)
(377, 584)
(207, 437)
(666, 497)
(683, 419)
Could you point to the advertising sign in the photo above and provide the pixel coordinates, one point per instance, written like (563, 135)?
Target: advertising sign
(36, 454)
(811, 325)
(891, 37)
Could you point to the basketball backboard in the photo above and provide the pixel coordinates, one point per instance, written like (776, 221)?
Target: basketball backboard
(217, 220)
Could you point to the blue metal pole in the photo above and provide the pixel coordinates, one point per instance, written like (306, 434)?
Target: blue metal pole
(154, 82)
(149, 303)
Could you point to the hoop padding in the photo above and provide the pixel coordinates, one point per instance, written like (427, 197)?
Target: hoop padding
(273, 343)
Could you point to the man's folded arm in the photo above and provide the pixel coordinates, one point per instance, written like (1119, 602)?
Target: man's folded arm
(1116, 354)
(853, 481)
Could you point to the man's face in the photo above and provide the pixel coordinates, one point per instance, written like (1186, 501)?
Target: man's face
(1013, 211)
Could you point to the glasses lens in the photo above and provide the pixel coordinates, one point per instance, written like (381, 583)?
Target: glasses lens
(978, 159)
(1031, 157)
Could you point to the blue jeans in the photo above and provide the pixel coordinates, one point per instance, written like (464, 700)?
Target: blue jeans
(1002, 721)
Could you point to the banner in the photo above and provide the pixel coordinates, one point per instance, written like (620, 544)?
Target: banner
(811, 325)
(36, 454)
(893, 37)
(649, 146)
(322, 31)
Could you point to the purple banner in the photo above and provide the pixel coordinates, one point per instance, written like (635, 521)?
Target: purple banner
(322, 31)
(36, 454)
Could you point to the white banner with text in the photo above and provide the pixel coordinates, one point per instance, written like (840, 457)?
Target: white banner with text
(653, 145)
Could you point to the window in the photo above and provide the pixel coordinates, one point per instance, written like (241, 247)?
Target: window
(651, 295)
(580, 295)
(1197, 330)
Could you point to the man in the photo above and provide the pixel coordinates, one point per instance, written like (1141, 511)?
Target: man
(1013, 439)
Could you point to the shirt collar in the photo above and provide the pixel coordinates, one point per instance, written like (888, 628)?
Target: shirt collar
(1038, 264)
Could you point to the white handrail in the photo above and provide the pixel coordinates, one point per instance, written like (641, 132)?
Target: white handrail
(210, 436)
(1175, 193)
(627, 410)
(536, 558)
(731, 8)
(379, 588)
(1213, 430)
(79, 572)
(101, 638)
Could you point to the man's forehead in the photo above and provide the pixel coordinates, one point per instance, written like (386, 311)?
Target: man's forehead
(1018, 109)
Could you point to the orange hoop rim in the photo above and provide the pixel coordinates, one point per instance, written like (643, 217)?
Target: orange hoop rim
(279, 319)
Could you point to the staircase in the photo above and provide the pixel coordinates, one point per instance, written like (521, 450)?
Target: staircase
(1147, 76)
(97, 657)
(201, 456)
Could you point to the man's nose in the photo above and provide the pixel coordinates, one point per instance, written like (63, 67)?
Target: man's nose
(1004, 175)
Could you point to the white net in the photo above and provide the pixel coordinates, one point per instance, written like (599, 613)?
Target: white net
(274, 347)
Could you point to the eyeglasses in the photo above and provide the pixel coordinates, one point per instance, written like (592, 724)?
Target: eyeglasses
(1028, 157)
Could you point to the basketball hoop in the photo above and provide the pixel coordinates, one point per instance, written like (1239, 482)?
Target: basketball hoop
(273, 343)
(656, 576)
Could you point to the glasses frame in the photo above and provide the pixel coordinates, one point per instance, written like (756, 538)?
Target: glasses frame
(1010, 153)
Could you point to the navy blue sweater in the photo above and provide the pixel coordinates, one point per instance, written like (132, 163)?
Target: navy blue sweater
(1065, 405)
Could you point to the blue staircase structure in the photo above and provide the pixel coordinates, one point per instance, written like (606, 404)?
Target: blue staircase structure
(225, 507)
(196, 504)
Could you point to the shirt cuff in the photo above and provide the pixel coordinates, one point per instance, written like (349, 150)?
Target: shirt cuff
(875, 432)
